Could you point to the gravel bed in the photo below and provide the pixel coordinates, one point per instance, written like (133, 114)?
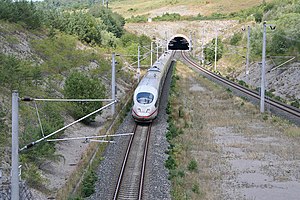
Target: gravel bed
(109, 168)
(157, 185)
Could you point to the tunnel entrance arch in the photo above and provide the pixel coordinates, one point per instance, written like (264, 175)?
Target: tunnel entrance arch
(179, 42)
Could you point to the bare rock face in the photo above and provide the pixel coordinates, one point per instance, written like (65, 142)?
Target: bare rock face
(199, 29)
(283, 81)
(17, 43)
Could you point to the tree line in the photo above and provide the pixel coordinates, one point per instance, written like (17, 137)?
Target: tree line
(97, 25)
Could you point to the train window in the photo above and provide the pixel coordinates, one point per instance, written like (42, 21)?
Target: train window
(144, 97)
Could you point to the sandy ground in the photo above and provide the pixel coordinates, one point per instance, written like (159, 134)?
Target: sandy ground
(57, 173)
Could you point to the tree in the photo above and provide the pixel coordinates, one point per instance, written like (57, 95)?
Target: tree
(258, 15)
(79, 86)
(209, 50)
(21, 11)
(279, 43)
(113, 21)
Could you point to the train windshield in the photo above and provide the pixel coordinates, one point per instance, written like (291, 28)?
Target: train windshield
(144, 97)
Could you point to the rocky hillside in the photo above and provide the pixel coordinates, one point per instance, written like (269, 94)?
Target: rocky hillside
(283, 82)
(55, 58)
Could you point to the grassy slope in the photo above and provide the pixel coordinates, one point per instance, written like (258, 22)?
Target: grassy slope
(127, 8)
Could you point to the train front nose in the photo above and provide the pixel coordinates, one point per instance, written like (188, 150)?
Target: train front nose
(145, 114)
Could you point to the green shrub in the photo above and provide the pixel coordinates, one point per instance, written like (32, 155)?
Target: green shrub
(97, 26)
(24, 74)
(236, 38)
(79, 86)
(296, 104)
(113, 21)
(181, 173)
(168, 109)
(265, 117)
(243, 83)
(168, 17)
(193, 165)
(209, 50)
(75, 198)
(258, 15)
(33, 177)
(279, 42)
(88, 183)
(21, 11)
(196, 188)
(170, 163)
(137, 19)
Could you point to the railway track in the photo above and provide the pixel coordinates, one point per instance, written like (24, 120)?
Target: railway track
(131, 177)
(287, 111)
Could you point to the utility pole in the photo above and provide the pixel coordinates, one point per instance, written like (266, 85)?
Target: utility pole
(139, 65)
(191, 42)
(151, 55)
(248, 52)
(194, 49)
(167, 47)
(263, 71)
(202, 49)
(15, 147)
(216, 49)
(157, 45)
(113, 83)
(263, 68)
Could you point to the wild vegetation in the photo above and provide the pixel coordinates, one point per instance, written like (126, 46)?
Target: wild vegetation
(177, 17)
(129, 8)
(179, 124)
(209, 50)
(285, 16)
(69, 35)
(63, 47)
(282, 40)
(79, 86)
(22, 12)
(211, 134)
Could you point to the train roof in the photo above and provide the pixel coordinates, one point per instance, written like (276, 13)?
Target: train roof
(153, 75)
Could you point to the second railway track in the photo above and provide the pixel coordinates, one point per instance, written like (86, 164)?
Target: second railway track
(287, 111)
(131, 178)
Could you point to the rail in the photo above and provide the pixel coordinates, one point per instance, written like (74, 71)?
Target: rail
(131, 177)
(290, 112)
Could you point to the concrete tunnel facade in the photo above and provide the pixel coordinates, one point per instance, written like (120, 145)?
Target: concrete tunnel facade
(179, 42)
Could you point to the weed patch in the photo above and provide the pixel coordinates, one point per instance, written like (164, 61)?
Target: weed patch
(88, 184)
(193, 165)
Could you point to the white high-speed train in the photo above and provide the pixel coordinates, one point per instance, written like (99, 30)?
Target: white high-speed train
(147, 94)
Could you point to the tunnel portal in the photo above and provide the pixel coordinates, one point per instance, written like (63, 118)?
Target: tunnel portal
(179, 42)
